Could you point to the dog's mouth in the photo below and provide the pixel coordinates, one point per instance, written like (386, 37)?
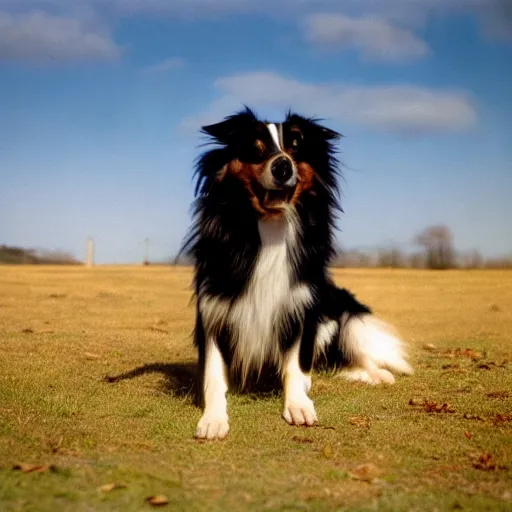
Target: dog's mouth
(274, 199)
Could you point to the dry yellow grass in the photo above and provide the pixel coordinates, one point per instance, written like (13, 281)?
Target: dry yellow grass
(63, 329)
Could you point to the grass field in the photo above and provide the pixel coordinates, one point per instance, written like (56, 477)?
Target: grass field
(438, 440)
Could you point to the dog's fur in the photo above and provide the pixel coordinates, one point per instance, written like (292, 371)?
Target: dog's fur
(262, 240)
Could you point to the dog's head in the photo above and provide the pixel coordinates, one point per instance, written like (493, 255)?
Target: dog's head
(276, 162)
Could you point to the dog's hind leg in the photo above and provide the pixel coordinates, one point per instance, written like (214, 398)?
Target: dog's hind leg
(366, 348)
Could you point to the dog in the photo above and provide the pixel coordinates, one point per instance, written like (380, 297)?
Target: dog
(262, 238)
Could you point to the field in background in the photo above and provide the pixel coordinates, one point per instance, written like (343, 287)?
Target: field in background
(439, 440)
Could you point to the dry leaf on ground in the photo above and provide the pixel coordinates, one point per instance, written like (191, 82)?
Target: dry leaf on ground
(360, 421)
(501, 418)
(158, 329)
(450, 366)
(157, 501)
(110, 487)
(431, 406)
(304, 440)
(498, 394)
(33, 468)
(91, 356)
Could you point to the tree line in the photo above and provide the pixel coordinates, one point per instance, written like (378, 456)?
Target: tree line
(435, 245)
(20, 255)
(435, 251)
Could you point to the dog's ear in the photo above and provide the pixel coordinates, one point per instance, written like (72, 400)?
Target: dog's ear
(312, 127)
(225, 131)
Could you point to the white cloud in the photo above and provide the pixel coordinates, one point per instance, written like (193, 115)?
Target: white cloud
(394, 108)
(165, 65)
(380, 29)
(375, 38)
(40, 36)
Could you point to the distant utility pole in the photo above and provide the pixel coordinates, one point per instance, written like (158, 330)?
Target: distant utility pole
(146, 256)
(90, 252)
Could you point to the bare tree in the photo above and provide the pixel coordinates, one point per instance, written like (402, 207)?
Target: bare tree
(438, 244)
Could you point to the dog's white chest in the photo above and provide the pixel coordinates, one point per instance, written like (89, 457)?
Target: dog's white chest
(256, 318)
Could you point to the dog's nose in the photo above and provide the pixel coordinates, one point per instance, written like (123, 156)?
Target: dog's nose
(282, 170)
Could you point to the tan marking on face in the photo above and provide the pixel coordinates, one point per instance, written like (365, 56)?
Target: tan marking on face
(260, 146)
(249, 175)
(305, 179)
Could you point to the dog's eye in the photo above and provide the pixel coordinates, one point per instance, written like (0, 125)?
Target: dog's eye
(295, 141)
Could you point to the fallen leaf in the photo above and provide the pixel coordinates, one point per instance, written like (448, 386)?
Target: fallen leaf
(110, 487)
(497, 394)
(27, 330)
(91, 356)
(158, 329)
(450, 366)
(157, 501)
(33, 468)
(435, 407)
(459, 352)
(360, 421)
(468, 416)
(468, 435)
(430, 406)
(501, 418)
(473, 354)
(304, 440)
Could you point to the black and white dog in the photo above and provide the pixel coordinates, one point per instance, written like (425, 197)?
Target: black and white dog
(262, 240)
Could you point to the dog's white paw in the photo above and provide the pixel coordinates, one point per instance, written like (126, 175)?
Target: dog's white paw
(212, 426)
(300, 412)
(373, 377)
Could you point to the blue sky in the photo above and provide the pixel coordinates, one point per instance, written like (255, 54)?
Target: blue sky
(101, 102)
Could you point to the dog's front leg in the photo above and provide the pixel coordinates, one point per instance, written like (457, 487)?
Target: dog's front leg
(296, 374)
(214, 421)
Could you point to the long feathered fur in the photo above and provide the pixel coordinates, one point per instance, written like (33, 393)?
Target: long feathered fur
(261, 286)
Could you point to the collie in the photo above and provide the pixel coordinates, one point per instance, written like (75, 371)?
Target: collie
(262, 240)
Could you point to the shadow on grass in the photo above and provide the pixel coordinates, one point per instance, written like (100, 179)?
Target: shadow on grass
(182, 380)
